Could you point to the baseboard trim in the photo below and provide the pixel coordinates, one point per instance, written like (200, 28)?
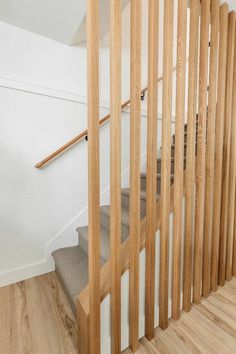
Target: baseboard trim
(26, 272)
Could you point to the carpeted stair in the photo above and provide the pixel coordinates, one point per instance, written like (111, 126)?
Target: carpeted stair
(72, 262)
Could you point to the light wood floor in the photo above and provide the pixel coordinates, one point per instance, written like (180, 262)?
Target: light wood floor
(35, 318)
(210, 328)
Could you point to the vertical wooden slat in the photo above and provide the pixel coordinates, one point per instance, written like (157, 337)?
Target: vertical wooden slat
(190, 157)
(115, 173)
(166, 161)
(93, 174)
(179, 155)
(201, 142)
(232, 177)
(234, 245)
(226, 148)
(210, 148)
(219, 134)
(153, 12)
(135, 150)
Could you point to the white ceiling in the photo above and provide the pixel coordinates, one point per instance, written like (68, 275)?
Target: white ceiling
(55, 19)
(60, 20)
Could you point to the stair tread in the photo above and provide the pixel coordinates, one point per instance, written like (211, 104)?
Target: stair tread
(72, 269)
(105, 210)
(143, 193)
(144, 175)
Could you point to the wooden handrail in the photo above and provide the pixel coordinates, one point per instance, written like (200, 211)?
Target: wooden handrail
(84, 134)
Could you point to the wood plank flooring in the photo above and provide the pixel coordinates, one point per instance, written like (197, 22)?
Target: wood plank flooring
(209, 328)
(35, 318)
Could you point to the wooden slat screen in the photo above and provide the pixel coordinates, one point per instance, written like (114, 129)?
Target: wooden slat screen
(166, 160)
(219, 134)
(115, 173)
(204, 161)
(135, 161)
(232, 174)
(232, 180)
(153, 18)
(201, 148)
(226, 148)
(179, 153)
(210, 148)
(190, 157)
(93, 173)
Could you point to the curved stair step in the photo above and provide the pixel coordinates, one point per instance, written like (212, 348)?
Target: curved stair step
(71, 265)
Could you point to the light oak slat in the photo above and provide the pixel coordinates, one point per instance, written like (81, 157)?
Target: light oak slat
(166, 161)
(234, 245)
(226, 148)
(135, 162)
(210, 148)
(232, 180)
(153, 21)
(190, 156)
(179, 155)
(83, 329)
(115, 173)
(219, 134)
(201, 142)
(93, 174)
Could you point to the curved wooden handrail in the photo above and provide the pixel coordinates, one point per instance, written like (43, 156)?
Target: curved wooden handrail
(84, 134)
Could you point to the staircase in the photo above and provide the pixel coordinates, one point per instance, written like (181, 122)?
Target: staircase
(72, 262)
(208, 249)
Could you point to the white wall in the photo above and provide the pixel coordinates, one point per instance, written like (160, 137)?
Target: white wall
(43, 104)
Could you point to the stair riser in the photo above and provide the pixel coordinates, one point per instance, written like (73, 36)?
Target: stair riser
(67, 293)
(125, 198)
(105, 222)
(83, 244)
(144, 184)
